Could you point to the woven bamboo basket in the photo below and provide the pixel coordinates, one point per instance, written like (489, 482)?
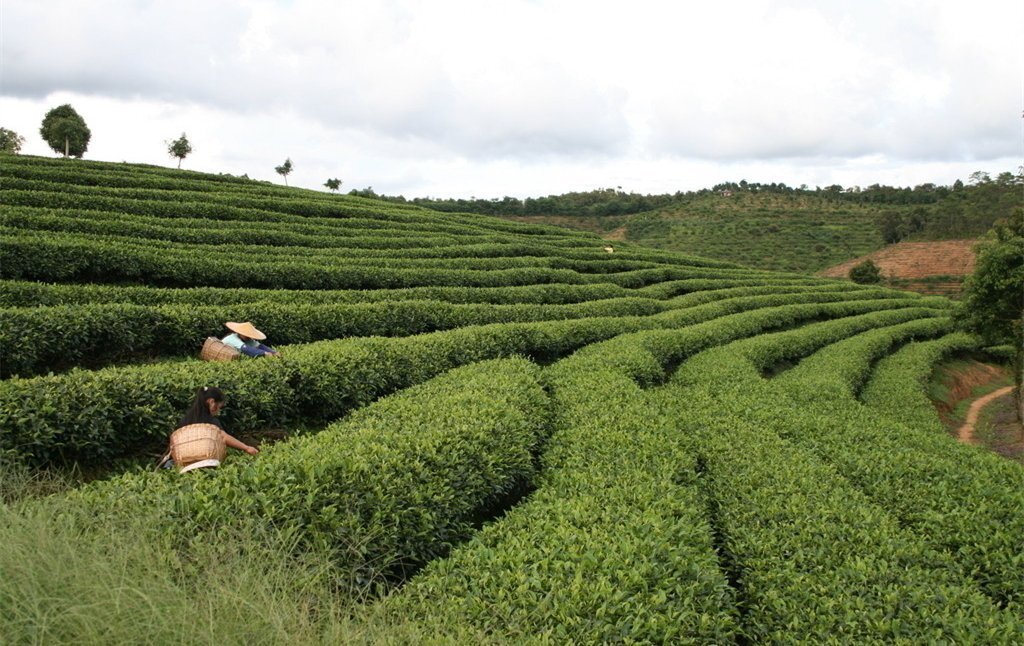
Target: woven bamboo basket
(197, 442)
(216, 350)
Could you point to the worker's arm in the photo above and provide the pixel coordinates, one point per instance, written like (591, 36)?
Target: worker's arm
(238, 444)
(269, 350)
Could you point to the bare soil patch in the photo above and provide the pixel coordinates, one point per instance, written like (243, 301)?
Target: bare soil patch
(617, 235)
(960, 381)
(915, 260)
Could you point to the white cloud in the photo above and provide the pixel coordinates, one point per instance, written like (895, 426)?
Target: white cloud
(529, 97)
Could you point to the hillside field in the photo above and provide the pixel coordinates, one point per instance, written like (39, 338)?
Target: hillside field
(927, 267)
(494, 432)
(799, 233)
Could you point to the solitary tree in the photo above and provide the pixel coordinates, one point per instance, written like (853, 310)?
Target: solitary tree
(10, 141)
(866, 273)
(333, 184)
(284, 169)
(65, 131)
(179, 148)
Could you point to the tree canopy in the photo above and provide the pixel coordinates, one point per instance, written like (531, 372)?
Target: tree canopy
(993, 301)
(64, 130)
(10, 141)
(333, 184)
(284, 169)
(180, 148)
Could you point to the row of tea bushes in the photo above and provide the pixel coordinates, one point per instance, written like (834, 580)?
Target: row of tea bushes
(89, 416)
(847, 365)
(849, 564)
(811, 557)
(564, 566)
(47, 339)
(302, 240)
(70, 258)
(20, 293)
(383, 491)
(897, 387)
(960, 501)
(613, 546)
(38, 340)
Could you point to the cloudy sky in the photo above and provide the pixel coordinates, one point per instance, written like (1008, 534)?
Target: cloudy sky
(453, 98)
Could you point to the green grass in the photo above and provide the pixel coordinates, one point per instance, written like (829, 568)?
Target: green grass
(241, 589)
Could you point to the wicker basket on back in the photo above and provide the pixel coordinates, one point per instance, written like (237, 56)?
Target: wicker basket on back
(216, 350)
(197, 442)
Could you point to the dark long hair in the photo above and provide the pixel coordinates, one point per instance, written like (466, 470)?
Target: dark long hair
(199, 411)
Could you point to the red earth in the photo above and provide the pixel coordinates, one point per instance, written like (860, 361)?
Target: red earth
(915, 266)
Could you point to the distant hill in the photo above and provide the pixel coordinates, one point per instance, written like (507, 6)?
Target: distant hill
(926, 267)
(802, 233)
(768, 226)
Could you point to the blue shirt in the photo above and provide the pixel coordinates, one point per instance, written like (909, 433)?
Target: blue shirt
(236, 341)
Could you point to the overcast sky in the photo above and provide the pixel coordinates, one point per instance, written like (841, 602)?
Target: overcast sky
(452, 98)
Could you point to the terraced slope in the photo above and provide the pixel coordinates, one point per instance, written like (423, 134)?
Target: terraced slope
(802, 233)
(510, 434)
(937, 268)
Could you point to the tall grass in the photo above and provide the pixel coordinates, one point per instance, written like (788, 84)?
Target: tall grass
(66, 579)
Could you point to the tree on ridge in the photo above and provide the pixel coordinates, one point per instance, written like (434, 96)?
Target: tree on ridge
(179, 148)
(64, 130)
(284, 169)
(10, 141)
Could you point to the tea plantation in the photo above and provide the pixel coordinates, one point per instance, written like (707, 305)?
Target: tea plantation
(497, 433)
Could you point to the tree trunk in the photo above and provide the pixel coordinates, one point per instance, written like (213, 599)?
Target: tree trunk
(179, 163)
(66, 146)
(286, 180)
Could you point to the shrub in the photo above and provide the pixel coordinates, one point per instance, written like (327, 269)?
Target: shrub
(866, 273)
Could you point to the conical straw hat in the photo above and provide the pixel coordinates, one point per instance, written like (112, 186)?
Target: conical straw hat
(245, 329)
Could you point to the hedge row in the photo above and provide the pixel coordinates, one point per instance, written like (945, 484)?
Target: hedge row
(38, 340)
(16, 293)
(89, 416)
(613, 546)
(478, 255)
(770, 352)
(83, 171)
(369, 234)
(387, 489)
(845, 366)
(257, 208)
(897, 386)
(958, 499)
(48, 258)
(615, 543)
(42, 339)
(43, 177)
(813, 559)
(225, 232)
(90, 261)
(549, 568)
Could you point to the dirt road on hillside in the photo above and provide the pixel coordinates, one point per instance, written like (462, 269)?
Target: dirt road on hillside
(966, 432)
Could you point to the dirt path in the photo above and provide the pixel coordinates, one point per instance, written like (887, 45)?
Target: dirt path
(966, 432)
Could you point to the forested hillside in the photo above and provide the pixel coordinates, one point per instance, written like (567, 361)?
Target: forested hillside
(770, 226)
